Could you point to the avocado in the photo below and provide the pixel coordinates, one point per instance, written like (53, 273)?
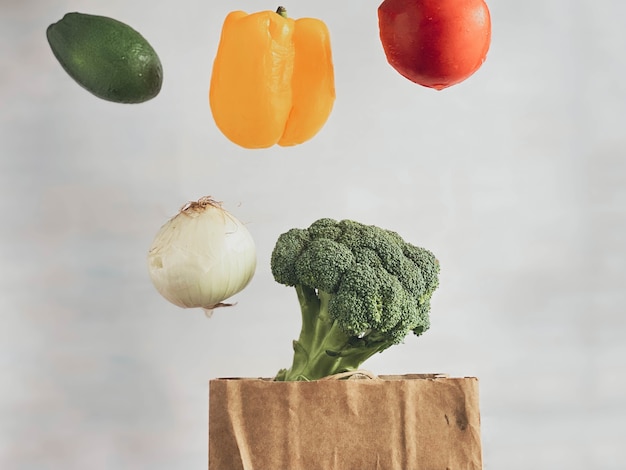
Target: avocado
(106, 57)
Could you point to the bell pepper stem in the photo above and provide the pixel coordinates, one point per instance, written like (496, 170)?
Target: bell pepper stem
(282, 11)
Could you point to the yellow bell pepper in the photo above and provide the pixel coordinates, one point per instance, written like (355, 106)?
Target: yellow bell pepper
(272, 80)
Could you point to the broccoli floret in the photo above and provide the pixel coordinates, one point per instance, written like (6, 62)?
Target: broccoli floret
(361, 290)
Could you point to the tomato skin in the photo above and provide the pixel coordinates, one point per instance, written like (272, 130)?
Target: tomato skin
(435, 43)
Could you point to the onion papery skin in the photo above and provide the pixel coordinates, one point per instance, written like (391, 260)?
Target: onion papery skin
(202, 256)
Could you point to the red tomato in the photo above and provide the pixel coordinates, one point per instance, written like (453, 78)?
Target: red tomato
(435, 43)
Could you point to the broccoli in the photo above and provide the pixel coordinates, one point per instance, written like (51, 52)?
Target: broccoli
(361, 290)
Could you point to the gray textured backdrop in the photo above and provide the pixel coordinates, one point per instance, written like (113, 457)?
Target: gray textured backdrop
(515, 179)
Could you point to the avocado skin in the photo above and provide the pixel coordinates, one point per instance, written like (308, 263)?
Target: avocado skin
(106, 57)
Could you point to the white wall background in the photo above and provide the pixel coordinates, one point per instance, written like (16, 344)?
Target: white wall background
(515, 179)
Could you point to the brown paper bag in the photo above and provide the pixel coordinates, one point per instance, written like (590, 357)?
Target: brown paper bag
(407, 422)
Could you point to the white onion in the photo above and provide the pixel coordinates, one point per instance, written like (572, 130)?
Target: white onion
(202, 256)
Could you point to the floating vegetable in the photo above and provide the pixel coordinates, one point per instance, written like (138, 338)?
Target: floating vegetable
(106, 57)
(435, 43)
(202, 256)
(272, 80)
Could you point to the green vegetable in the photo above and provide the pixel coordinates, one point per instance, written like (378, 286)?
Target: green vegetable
(106, 57)
(361, 289)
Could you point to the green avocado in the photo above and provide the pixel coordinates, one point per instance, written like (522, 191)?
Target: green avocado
(106, 57)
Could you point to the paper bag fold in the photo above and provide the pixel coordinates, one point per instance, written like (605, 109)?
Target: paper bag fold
(408, 422)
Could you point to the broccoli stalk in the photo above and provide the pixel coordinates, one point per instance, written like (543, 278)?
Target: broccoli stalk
(318, 335)
(361, 290)
(323, 348)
